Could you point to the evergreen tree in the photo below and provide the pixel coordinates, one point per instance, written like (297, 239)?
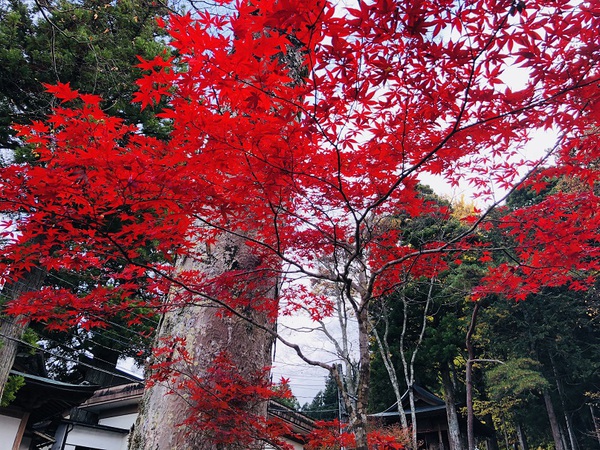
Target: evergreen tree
(325, 405)
(93, 46)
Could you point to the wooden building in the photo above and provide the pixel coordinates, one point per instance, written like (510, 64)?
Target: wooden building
(432, 421)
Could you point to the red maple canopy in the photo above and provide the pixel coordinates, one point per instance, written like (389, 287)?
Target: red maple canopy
(304, 129)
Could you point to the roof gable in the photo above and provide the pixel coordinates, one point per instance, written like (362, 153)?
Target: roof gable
(424, 399)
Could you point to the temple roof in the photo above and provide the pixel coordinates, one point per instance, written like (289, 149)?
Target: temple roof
(45, 398)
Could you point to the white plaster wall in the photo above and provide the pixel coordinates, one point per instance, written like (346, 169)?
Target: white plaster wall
(105, 440)
(123, 422)
(100, 439)
(9, 426)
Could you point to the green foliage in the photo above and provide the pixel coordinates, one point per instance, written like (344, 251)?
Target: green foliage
(325, 405)
(285, 397)
(549, 339)
(31, 338)
(13, 384)
(90, 44)
(515, 378)
(291, 402)
(528, 196)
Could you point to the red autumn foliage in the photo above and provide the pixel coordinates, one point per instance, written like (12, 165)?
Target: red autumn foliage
(332, 435)
(228, 402)
(305, 130)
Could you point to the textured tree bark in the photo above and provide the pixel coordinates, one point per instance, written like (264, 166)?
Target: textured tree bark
(360, 412)
(207, 333)
(12, 328)
(454, 439)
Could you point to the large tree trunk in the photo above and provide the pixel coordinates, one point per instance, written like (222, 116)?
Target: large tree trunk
(208, 333)
(12, 328)
(454, 438)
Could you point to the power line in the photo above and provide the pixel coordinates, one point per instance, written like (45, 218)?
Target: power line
(120, 375)
(67, 282)
(60, 344)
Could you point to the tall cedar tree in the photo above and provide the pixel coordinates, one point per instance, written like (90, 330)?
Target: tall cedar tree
(311, 171)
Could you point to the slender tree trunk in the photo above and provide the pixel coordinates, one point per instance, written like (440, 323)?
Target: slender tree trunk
(413, 415)
(561, 396)
(556, 434)
(409, 366)
(505, 433)
(362, 385)
(563, 436)
(522, 438)
(469, 386)
(596, 424)
(454, 438)
(570, 432)
(492, 442)
(386, 357)
(440, 439)
(12, 328)
(207, 333)
(469, 376)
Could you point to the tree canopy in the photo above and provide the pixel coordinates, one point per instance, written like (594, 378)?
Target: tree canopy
(298, 135)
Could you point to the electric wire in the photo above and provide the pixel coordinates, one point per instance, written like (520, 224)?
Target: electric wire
(153, 325)
(66, 358)
(60, 345)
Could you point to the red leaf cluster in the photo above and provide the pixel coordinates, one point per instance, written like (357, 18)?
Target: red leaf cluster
(298, 126)
(331, 435)
(229, 404)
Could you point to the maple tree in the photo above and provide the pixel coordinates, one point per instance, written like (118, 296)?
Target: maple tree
(299, 132)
